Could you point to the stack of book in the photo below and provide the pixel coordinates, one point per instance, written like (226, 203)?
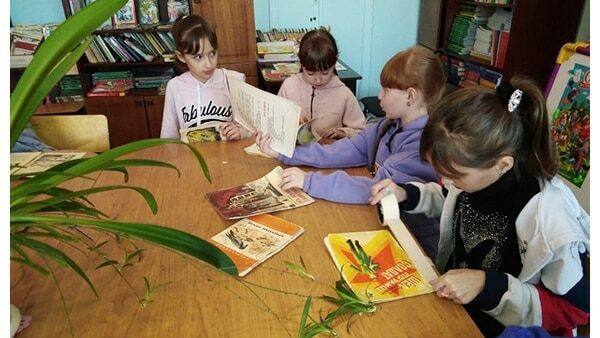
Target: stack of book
(147, 78)
(115, 83)
(131, 47)
(277, 51)
(465, 26)
(69, 89)
(24, 40)
(477, 75)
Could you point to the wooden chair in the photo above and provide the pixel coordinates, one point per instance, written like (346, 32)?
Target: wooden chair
(73, 132)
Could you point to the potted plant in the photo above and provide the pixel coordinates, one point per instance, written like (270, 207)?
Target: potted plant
(43, 214)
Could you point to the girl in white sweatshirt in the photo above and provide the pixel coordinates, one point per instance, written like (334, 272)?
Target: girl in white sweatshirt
(199, 95)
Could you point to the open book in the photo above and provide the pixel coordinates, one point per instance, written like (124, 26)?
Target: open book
(379, 269)
(253, 240)
(206, 132)
(261, 196)
(32, 162)
(259, 110)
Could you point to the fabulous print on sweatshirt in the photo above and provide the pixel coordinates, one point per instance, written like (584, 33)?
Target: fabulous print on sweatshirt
(190, 103)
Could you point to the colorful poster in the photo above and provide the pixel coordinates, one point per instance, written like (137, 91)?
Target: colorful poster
(571, 124)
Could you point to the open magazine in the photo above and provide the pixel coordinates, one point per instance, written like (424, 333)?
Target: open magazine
(259, 110)
(376, 266)
(33, 162)
(207, 132)
(251, 241)
(261, 196)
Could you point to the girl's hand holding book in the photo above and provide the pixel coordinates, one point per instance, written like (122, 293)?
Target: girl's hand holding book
(292, 178)
(264, 143)
(384, 187)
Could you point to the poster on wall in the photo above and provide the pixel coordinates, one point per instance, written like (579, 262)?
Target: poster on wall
(568, 98)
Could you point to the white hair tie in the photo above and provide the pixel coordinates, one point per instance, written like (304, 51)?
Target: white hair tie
(515, 99)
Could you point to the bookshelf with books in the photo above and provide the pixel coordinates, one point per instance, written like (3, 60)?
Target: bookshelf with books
(526, 44)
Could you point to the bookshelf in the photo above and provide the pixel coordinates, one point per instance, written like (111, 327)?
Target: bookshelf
(138, 114)
(539, 28)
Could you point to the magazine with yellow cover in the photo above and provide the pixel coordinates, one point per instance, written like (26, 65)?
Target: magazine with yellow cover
(375, 266)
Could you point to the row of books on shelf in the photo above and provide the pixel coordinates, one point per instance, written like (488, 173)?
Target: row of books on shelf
(481, 32)
(467, 74)
(131, 47)
(118, 83)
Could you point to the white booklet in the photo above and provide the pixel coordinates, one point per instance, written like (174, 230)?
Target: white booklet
(28, 163)
(259, 110)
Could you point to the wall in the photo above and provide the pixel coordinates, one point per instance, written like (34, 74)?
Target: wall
(368, 32)
(36, 12)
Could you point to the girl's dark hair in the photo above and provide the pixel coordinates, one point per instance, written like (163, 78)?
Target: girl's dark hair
(473, 127)
(188, 31)
(318, 51)
(416, 67)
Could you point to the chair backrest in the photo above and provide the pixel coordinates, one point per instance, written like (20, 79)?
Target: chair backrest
(73, 132)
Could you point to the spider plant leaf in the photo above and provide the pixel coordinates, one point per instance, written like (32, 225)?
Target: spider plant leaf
(67, 196)
(302, 326)
(58, 256)
(49, 58)
(107, 263)
(141, 162)
(31, 264)
(167, 237)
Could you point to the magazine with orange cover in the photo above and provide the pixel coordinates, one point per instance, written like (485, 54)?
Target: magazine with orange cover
(375, 266)
(253, 240)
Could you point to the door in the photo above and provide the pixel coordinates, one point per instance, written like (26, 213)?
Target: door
(294, 14)
(234, 22)
(126, 117)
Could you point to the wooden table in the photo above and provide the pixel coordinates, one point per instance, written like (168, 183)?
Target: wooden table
(348, 76)
(191, 298)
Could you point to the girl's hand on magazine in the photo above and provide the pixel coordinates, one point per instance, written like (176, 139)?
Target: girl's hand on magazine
(380, 189)
(334, 133)
(231, 131)
(292, 178)
(264, 143)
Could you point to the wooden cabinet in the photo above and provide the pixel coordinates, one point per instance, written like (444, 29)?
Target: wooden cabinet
(127, 119)
(154, 114)
(234, 22)
(539, 29)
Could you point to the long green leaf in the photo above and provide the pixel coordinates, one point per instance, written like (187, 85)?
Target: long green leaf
(167, 237)
(53, 253)
(66, 38)
(35, 206)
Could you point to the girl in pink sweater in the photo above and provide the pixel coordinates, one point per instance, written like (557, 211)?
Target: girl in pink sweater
(319, 92)
(199, 95)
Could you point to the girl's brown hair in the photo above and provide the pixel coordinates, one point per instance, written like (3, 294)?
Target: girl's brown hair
(188, 31)
(416, 67)
(318, 51)
(473, 127)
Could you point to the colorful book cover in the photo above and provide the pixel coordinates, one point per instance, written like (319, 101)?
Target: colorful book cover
(253, 240)
(207, 132)
(261, 196)
(375, 266)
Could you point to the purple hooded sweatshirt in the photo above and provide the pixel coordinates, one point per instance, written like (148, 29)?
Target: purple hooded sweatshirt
(397, 158)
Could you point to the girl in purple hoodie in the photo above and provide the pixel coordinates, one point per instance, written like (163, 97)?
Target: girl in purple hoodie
(320, 92)
(199, 95)
(412, 81)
